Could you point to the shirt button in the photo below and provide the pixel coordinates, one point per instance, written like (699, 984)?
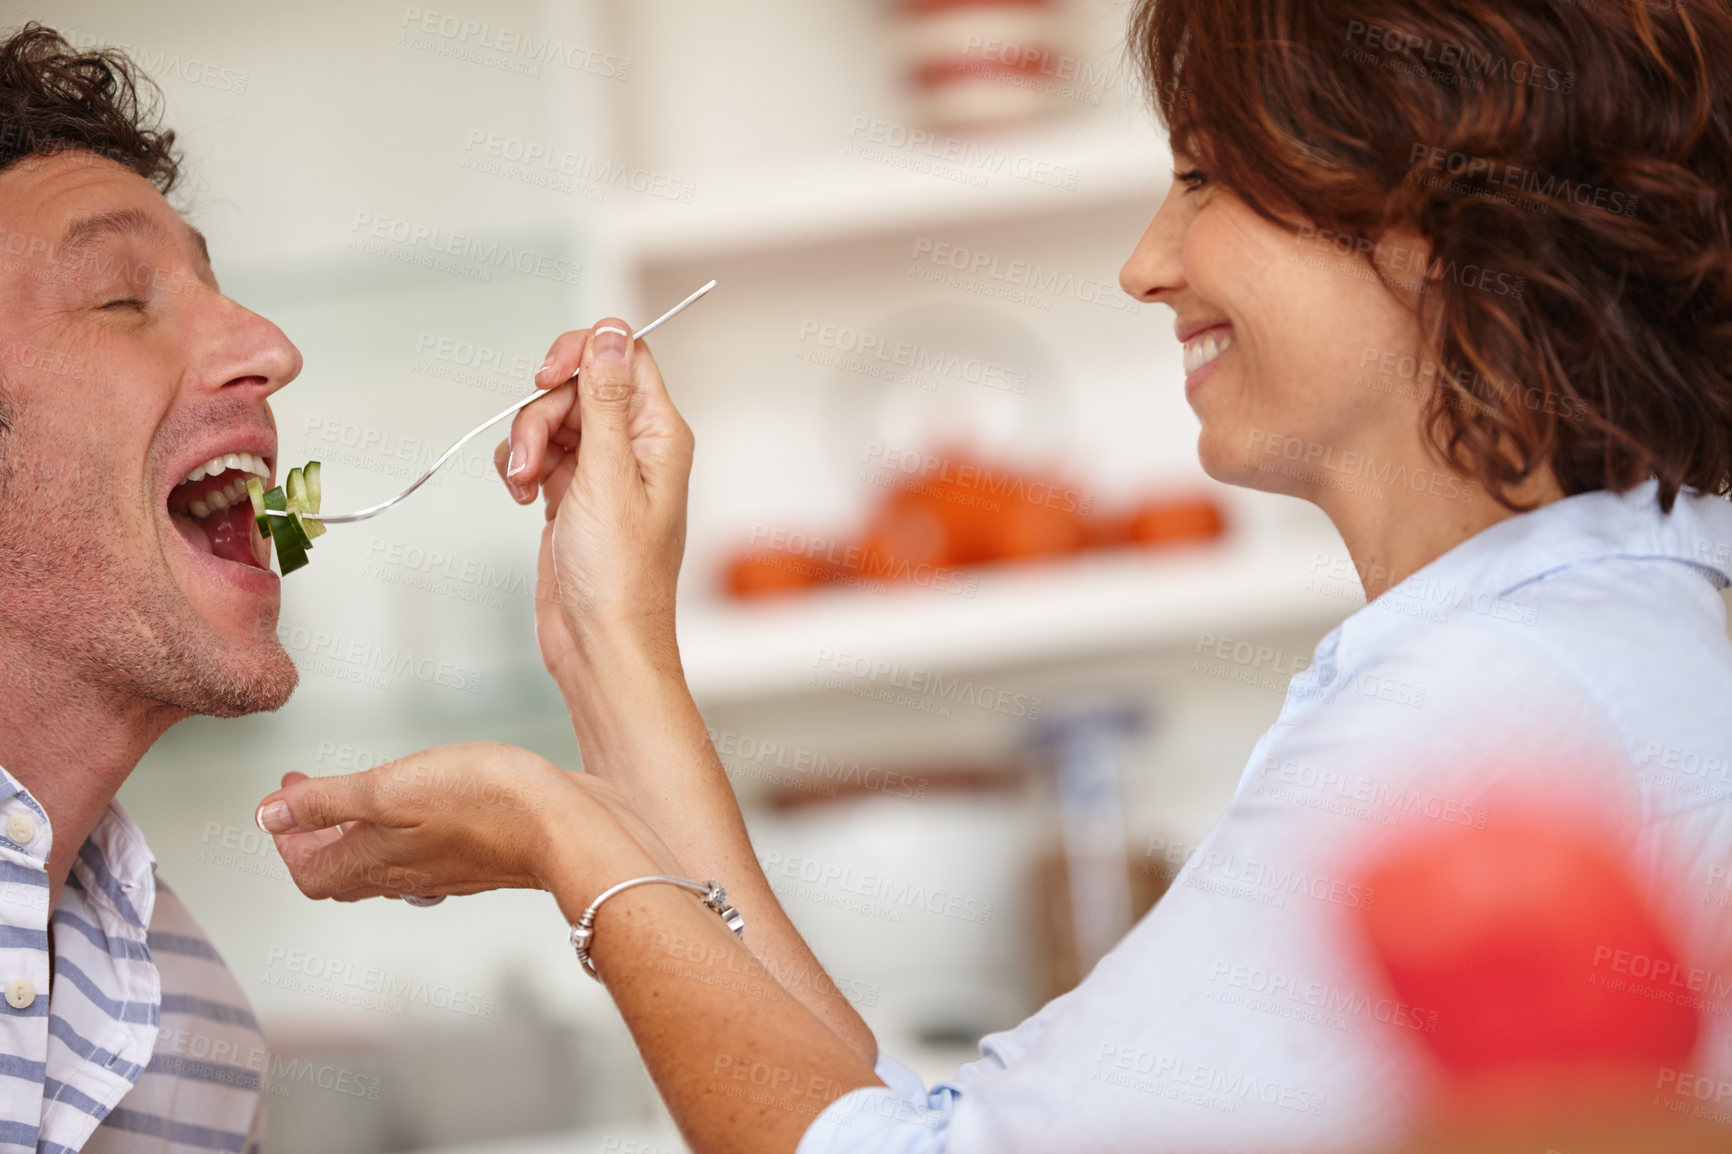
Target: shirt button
(20, 993)
(21, 828)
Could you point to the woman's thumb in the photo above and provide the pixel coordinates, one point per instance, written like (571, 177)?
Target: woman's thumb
(605, 389)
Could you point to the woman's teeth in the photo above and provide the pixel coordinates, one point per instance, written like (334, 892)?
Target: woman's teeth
(1206, 348)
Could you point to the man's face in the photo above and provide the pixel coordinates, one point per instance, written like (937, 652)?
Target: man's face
(125, 369)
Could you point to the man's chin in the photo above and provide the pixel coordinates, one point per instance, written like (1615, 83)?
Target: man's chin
(262, 685)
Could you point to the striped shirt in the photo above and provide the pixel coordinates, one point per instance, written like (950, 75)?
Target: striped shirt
(145, 1042)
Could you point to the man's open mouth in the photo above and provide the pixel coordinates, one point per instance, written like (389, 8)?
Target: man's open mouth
(212, 511)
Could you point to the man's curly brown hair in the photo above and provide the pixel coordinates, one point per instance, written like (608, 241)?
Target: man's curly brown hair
(54, 98)
(1579, 150)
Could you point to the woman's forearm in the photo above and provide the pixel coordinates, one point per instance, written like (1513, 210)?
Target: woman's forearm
(640, 730)
(743, 1062)
(743, 1067)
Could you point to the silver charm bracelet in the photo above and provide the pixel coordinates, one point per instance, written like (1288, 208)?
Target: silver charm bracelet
(583, 933)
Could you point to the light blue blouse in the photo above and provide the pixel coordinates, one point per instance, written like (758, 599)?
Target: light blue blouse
(1572, 661)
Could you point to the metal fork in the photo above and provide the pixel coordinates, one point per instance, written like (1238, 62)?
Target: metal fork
(375, 510)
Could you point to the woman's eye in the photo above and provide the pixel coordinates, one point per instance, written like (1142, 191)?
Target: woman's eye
(1192, 179)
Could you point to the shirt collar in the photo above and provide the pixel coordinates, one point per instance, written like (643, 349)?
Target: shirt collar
(9, 789)
(114, 866)
(1480, 574)
(1589, 527)
(117, 867)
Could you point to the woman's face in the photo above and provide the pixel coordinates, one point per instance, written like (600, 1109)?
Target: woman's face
(1308, 332)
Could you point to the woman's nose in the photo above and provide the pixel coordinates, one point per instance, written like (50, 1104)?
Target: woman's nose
(1156, 265)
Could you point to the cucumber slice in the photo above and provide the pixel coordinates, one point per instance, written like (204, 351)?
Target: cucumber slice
(300, 503)
(256, 493)
(310, 474)
(298, 497)
(291, 545)
(293, 528)
(295, 487)
(285, 532)
(310, 478)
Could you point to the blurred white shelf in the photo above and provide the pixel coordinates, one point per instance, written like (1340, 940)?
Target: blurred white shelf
(1098, 604)
(1065, 167)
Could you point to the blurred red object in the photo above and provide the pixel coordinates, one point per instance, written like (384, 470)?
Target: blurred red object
(1527, 942)
(1159, 522)
(942, 518)
(971, 512)
(973, 62)
(761, 572)
(915, 529)
(1043, 520)
(955, 511)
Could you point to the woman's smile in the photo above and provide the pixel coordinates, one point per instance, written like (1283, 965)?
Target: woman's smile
(1203, 353)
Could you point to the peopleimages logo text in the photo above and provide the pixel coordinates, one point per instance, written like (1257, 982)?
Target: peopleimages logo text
(971, 156)
(926, 683)
(1013, 272)
(415, 236)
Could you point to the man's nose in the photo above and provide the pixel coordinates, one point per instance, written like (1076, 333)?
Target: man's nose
(251, 349)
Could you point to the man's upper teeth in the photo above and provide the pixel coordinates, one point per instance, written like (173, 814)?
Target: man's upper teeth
(1203, 349)
(250, 462)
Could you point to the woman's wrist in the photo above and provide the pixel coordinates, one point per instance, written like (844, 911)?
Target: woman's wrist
(599, 654)
(644, 633)
(584, 852)
(614, 705)
(633, 927)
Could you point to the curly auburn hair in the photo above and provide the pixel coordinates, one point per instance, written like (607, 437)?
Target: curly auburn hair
(53, 99)
(1580, 148)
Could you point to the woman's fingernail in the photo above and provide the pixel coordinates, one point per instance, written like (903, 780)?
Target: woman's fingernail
(519, 459)
(520, 492)
(274, 817)
(546, 367)
(611, 344)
